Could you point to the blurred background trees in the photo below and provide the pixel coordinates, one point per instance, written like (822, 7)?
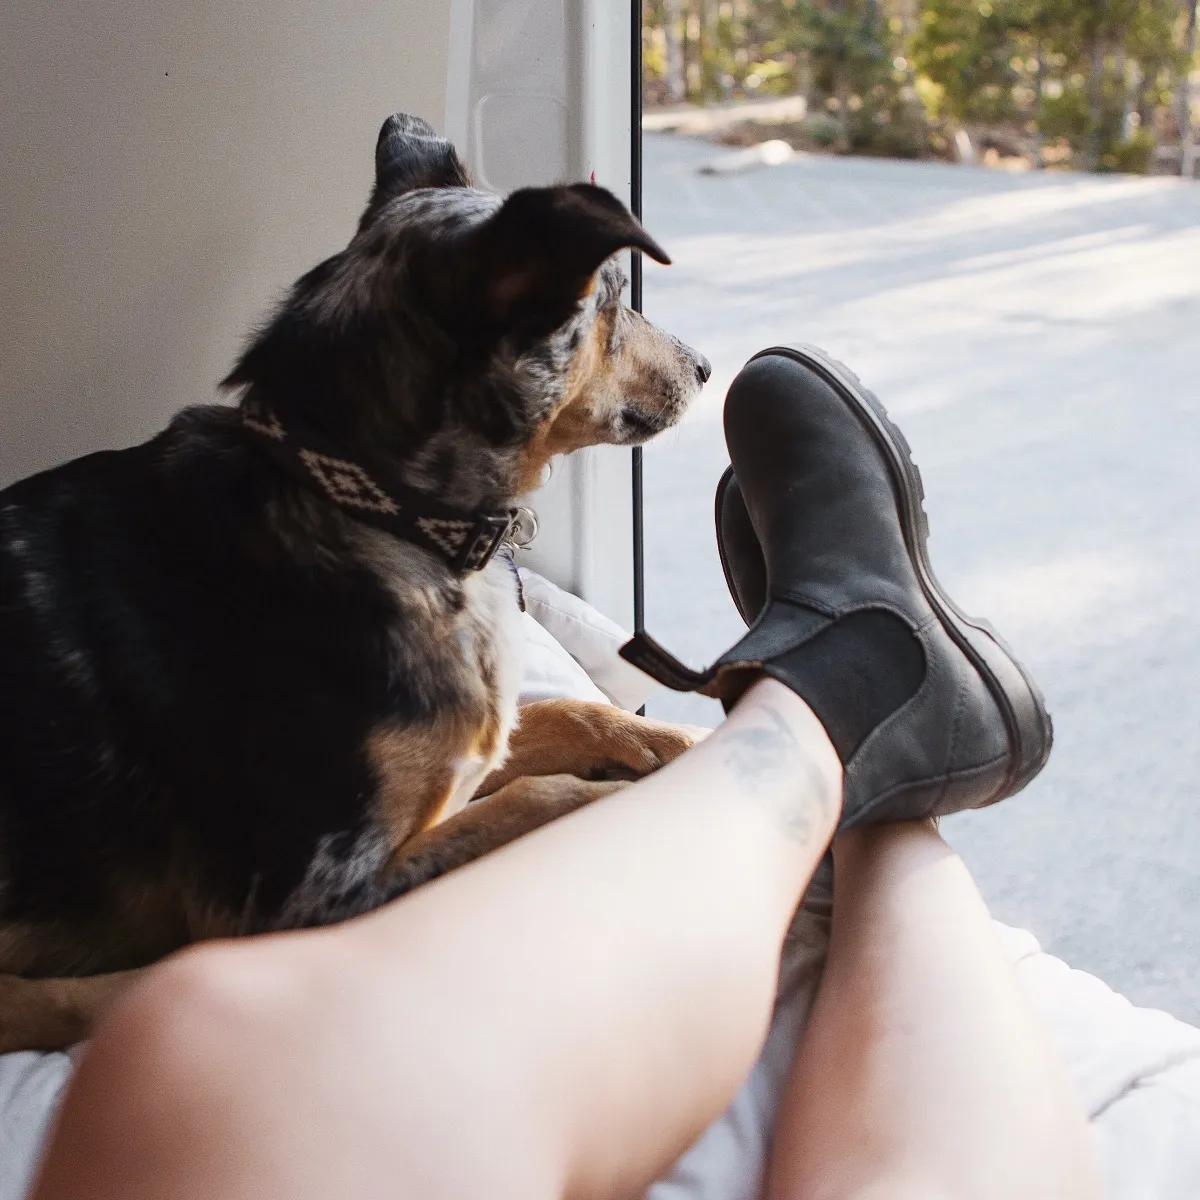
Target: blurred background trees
(1095, 84)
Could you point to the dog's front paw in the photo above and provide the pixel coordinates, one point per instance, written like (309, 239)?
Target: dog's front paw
(635, 746)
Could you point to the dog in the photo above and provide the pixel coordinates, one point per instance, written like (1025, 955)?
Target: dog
(253, 670)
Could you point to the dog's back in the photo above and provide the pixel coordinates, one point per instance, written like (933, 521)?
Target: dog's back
(161, 651)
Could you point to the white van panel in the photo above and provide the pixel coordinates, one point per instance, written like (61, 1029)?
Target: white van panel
(169, 167)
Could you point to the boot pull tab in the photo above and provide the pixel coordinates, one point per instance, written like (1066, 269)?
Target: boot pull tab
(649, 657)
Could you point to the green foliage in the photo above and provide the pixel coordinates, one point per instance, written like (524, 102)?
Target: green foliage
(965, 47)
(901, 76)
(846, 41)
(1130, 156)
(897, 131)
(823, 129)
(1064, 113)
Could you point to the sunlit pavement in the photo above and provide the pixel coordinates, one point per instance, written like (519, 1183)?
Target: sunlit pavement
(1038, 337)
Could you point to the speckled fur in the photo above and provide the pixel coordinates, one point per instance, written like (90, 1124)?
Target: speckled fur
(225, 705)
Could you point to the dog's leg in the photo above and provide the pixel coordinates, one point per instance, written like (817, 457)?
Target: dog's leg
(50, 1014)
(577, 737)
(519, 807)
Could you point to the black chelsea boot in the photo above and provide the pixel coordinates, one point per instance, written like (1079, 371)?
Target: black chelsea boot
(823, 541)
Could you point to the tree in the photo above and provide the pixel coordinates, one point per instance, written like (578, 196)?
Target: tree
(673, 28)
(964, 50)
(1187, 146)
(1105, 25)
(1039, 27)
(845, 45)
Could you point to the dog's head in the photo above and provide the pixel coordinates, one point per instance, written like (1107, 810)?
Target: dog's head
(469, 338)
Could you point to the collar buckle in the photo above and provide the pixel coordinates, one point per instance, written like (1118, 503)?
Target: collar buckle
(485, 538)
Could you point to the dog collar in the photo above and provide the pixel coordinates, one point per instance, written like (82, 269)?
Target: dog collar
(465, 541)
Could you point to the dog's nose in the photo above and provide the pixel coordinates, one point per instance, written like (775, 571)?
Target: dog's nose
(703, 368)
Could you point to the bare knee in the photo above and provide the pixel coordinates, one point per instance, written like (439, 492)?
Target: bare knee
(203, 1006)
(278, 1069)
(168, 1082)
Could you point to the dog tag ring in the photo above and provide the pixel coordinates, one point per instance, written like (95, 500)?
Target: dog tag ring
(524, 527)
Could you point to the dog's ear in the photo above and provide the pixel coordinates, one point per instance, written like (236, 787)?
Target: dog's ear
(533, 262)
(410, 154)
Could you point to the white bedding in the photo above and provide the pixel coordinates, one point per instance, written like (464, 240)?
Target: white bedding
(1137, 1070)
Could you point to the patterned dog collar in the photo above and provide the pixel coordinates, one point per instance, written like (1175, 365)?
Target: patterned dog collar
(465, 541)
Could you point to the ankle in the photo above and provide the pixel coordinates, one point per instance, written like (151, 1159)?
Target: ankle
(861, 846)
(816, 769)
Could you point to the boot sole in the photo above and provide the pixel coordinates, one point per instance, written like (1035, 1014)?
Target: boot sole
(1027, 721)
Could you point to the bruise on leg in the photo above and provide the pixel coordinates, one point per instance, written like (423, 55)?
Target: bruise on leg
(518, 808)
(51, 1014)
(580, 737)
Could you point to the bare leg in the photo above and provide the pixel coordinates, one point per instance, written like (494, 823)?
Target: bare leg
(560, 1018)
(922, 1072)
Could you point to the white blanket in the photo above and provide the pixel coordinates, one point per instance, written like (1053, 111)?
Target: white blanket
(1137, 1071)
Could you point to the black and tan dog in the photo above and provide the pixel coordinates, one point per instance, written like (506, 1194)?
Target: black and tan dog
(252, 671)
